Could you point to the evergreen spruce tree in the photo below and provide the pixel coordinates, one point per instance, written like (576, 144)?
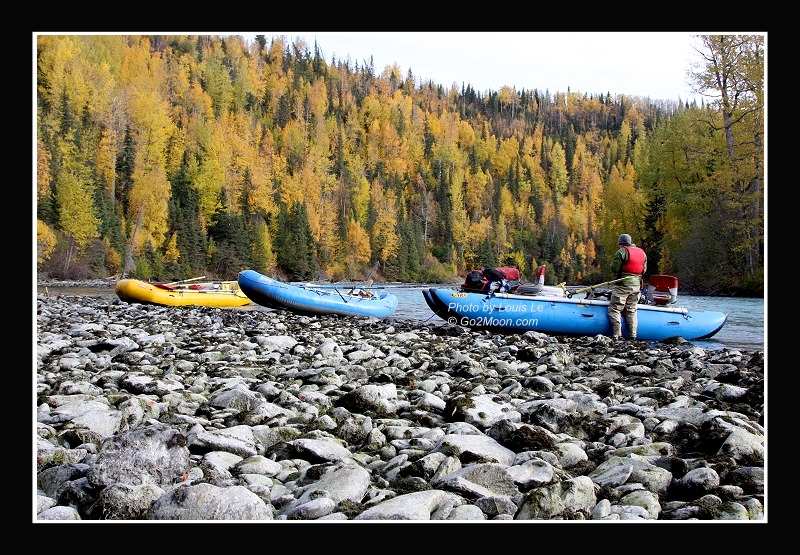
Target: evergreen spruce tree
(485, 255)
(256, 257)
(110, 223)
(124, 171)
(184, 220)
(230, 236)
(407, 266)
(297, 255)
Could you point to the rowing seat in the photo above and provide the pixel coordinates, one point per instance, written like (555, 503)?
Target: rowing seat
(662, 290)
(538, 287)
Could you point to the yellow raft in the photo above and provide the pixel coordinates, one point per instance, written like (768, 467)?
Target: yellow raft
(220, 294)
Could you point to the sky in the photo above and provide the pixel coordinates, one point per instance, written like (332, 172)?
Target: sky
(648, 64)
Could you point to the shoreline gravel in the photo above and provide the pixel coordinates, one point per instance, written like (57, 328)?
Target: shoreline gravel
(196, 414)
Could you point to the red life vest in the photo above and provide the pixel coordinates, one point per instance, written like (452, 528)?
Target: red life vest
(635, 263)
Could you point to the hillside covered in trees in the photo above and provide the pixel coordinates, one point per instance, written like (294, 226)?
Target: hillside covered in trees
(167, 157)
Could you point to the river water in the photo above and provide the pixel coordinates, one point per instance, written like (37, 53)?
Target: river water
(745, 328)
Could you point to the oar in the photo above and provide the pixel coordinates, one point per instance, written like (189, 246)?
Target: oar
(369, 285)
(592, 287)
(185, 280)
(345, 300)
(353, 286)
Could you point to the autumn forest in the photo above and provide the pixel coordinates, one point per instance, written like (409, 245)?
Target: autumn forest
(167, 157)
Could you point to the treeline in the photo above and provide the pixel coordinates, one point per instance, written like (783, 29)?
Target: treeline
(167, 157)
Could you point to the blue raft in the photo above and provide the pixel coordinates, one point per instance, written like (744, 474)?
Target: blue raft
(310, 299)
(565, 315)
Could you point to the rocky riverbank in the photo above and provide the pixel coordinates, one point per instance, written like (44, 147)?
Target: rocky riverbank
(194, 413)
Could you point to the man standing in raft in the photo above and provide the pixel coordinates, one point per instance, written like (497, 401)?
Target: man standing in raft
(629, 263)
